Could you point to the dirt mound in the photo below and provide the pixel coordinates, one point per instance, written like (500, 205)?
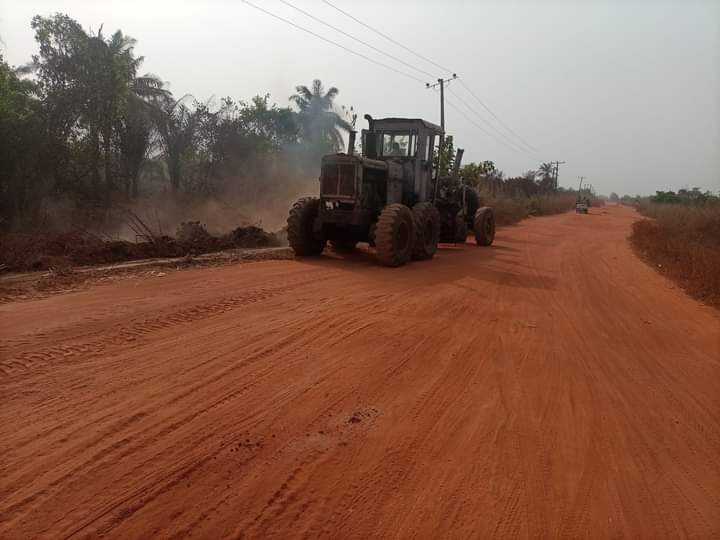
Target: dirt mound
(252, 237)
(193, 233)
(21, 252)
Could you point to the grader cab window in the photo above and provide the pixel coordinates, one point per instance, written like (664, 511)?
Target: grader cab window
(399, 144)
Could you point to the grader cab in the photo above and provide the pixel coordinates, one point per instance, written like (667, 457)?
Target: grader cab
(392, 196)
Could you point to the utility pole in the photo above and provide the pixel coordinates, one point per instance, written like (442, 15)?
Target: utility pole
(581, 178)
(442, 104)
(442, 83)
(557, 167)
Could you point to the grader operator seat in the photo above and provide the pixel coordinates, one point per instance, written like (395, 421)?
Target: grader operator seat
(407, 141)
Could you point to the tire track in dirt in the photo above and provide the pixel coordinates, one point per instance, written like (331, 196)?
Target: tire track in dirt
(288, 340)
(508, 392)
(117, 450)
(140, 329)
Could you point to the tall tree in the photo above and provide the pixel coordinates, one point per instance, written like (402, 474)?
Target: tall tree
(88, 83)
(321, 126)
(177, 130)
(547, 176)
(134, 140)
(121, 93)
(20, 132)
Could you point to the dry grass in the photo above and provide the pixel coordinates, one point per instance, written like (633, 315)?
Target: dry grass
(509, 210)
(683, 242)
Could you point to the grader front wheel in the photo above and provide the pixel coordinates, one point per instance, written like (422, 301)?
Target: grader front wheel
(301, 237)
(395, 235)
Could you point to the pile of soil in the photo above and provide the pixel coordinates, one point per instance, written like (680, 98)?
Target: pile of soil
(21, 252)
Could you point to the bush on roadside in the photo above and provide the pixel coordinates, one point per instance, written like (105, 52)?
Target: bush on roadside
(509, 210)
(683, 242)
(23, 252)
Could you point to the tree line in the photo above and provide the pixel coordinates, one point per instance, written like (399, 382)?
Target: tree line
(81, 123)
(684, 196)
(489, 179)
(492, 180)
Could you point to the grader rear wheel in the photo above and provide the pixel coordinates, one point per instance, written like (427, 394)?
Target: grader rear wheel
(427, 231)
(484, 226)
(461, 230)
(472, 200)
(395, 235)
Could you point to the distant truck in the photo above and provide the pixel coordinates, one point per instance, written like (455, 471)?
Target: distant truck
(393, 196)
(582, 203)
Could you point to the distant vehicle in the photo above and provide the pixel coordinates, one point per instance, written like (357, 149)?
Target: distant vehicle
(392, 196)
(582, 205)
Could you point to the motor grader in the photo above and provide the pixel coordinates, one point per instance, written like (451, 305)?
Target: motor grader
(393, 196)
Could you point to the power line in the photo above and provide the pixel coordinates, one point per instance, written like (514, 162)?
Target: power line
(495, 116)
(378, 32)
(399, 60)
(477, 114)
(408, 49)
(473, 122)
(343, 47)
(557, 171)
(381, 64)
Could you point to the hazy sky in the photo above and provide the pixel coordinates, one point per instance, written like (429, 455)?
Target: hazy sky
(627, 91)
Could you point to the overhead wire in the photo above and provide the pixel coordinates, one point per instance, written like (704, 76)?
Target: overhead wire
(510, 144)
(336, 44)
(478, 126)
(378, 32)
(395, 58)
(473, 111)
(411, 51)
(495, 116)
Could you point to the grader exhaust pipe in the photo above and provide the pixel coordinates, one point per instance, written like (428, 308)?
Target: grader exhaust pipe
(351, 143)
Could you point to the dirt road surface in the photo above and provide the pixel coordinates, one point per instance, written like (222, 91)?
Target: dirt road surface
(551, 386)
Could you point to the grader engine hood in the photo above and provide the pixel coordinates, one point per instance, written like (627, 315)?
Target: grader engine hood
(338, 177)
(341, 175)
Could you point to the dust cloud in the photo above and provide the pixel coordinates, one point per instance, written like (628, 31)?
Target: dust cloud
(266, 206)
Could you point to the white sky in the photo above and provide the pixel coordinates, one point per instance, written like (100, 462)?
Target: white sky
(626, 91)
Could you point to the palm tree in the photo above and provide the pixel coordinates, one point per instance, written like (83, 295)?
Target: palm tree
(123, 95)
(547, 176)
(320, 125)
(178, 132)
(101, 86)
(90, 86)
(135, 136)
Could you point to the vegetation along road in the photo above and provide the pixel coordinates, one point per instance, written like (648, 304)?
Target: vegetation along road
(553, 385)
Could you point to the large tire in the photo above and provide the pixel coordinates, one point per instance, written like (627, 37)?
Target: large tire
(484, 226)
(461, 230)
(303, 241)
(427, 231)
(395, 235)
(472, 200)
(343, 244)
